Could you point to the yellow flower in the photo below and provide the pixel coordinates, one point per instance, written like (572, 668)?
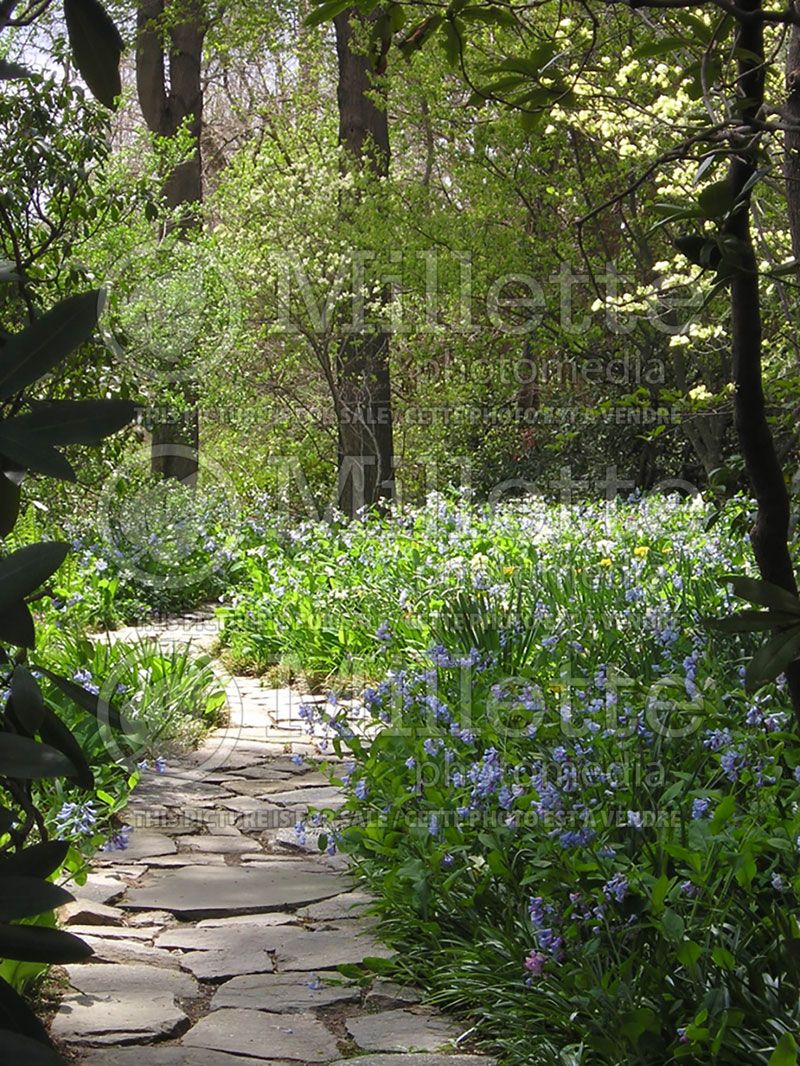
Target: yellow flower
(509, 570)
(641, 550)
(605, 562)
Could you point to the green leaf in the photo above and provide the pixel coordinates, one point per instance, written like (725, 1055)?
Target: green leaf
(752, 621)
(58, 736)
(30, 452)
(327, 11)
(723, 813)
(688, 953)
(22, 758)
(772, 658)
(96, 48)
(39, 860)
(23, 897)
(9, 504)
(659, 893)
(723, 958)
(77, 421)
(16, 625)
(18, 1048)
(27, 699)
(785, 1053)
(672, 926)
(35, 943)
(27, 356)
(22, 572)
(16, 1014)
(764, 593)
(716, 199)
(103, 710)
(663, 46)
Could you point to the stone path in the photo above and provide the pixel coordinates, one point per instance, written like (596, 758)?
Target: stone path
(216, 938)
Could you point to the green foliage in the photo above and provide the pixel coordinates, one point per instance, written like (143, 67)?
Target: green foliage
(580, 828)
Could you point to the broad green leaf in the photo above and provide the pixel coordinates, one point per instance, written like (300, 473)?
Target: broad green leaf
(327, 11)
(34, 943)
(58, 736)
(662, 47)
(77, 421)
(18, 1048)
(24, 897)
(22, 572)
(31, 452)
(763, 593)
(103, 710)
(27, 699)
(25, 759)
(672, 926)
(785, 1053)
(16, 625)
(27, 356)
(38, 860)
(96, 47)
(723, 813)
(688, 953)
(772, 658)
(17, 1015)
(9, 504)
(752, 621)
(716, 199)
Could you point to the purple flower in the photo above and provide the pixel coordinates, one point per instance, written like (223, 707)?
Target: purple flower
(616, 888)
(535, 963)
(700, 807)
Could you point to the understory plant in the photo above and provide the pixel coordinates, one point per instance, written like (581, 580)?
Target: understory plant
(581, 829)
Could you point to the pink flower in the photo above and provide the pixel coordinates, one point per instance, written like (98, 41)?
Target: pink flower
(535, 963)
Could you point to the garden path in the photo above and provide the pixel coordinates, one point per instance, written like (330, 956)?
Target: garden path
(216, 935)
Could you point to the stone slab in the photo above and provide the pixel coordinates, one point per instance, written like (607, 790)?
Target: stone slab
(256, 1033)
(219, 845)
(89, 912)
(142, 845)
(220, 891)
(170, 1056)
(282, 993)
(345, 905)
(401, 1030)
(227, 962)
(305, 950)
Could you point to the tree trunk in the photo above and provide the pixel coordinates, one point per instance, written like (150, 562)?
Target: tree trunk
(792, 136)
(169, 85)
(769, 535)
(363, 402)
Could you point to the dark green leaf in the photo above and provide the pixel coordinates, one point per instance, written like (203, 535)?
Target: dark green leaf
(763, 593)
(35, 943)
(23, 758)
(77, 421)
(772, 658)
(25, 1049)
(103, 710)
(16, 1014)
(31, 452)
(39, 860)
(13, 71)
(9, 504)
(22, 572)
(24, 897)
(16, 625)
(57, 735)
(27, 699)
(752, 621)
(27, 356)
(96, 47)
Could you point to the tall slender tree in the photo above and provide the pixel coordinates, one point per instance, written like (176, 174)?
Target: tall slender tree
(169, 83)
(363, 402)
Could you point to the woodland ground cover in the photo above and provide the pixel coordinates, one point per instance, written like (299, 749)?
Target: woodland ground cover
(580, 828)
